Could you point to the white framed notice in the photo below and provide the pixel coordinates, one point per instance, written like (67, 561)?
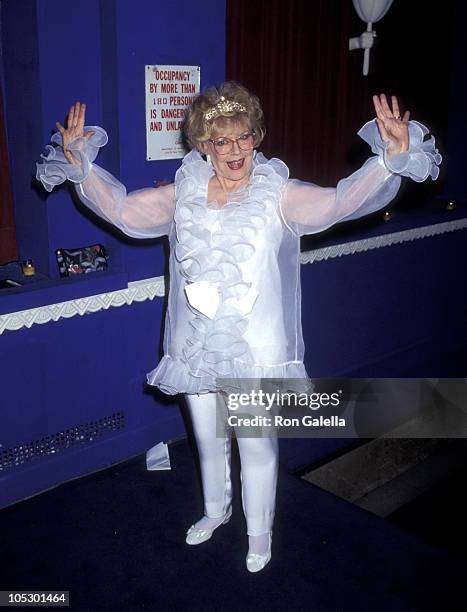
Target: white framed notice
(169, 91)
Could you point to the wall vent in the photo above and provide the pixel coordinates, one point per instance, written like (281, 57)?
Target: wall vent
(52, 444)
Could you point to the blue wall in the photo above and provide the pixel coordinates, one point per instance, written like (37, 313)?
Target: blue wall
(78, 371)
(100, 61)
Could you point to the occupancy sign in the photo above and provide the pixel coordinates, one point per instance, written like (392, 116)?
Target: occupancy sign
(169, 91)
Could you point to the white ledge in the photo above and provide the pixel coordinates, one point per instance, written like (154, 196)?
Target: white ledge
(367, 244)
(149, 288)
(137, 291)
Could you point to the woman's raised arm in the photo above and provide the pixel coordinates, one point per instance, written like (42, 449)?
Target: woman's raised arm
(145, 213)
(401, 151)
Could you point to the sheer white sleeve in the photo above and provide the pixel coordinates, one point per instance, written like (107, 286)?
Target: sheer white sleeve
(308, 208)
(144, 213)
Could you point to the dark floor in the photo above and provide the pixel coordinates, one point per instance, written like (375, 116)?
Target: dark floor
(439, 515)
(417, 484)
(115, 541)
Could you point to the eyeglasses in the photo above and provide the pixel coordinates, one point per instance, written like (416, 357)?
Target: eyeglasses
(224, 145)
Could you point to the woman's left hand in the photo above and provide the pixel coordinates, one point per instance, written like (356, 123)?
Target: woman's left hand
(392, 126)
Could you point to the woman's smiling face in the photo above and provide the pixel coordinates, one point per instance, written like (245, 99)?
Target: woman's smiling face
(236, 163)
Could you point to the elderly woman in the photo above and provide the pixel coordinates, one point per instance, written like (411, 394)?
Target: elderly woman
(234, 220)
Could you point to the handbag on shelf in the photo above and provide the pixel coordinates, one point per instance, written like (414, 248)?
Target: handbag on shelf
(81, 260)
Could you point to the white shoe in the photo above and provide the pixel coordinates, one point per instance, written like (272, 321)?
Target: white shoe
(256, 562)
(197, 536)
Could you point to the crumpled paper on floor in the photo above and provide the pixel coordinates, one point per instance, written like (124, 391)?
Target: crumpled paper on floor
(158, 458)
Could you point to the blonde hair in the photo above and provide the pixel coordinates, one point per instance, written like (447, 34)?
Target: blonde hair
(198, 131)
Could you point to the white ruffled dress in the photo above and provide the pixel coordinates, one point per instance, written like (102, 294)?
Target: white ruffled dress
(234, 300)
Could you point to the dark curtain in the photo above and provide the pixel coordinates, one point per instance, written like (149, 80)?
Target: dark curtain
(294, 55)
(8, 247)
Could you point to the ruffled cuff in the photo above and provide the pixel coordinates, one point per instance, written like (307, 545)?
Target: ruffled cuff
(56, 169)
(420, 161)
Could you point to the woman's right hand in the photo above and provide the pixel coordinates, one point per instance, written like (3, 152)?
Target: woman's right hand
(74, 129)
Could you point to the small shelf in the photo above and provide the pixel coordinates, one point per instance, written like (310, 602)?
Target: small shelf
(39, 291)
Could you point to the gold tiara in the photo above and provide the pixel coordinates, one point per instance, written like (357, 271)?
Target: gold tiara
(222, 107)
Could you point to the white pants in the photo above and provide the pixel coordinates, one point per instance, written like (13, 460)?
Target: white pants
(259, 459)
